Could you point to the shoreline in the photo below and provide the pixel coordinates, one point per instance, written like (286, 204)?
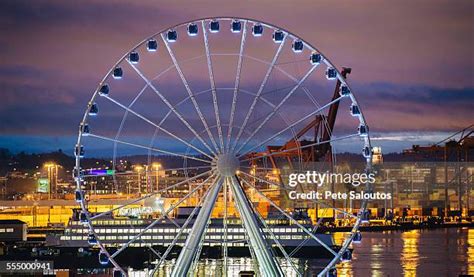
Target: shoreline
(381, 228)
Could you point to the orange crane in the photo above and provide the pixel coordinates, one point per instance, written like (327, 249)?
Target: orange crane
(322, 125)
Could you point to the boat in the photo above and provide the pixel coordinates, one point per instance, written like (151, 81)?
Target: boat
(113, 232)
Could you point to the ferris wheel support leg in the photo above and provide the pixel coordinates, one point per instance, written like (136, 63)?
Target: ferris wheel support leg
(265, 259)
(187, 255)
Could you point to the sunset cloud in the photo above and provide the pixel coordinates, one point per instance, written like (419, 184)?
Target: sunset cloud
(412, 61)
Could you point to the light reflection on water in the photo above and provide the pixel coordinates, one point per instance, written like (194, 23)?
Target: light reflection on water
(376, 262)
(343, 269)
(410, 257)
(440, 252)
(470, 251)
(212, 267)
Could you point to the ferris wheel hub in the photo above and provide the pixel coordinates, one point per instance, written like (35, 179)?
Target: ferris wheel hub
(227, 164)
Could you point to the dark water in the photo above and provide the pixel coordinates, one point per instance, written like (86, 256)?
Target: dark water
(440, 252)
(432, 253)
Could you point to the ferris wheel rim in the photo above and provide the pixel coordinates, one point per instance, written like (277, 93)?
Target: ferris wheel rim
(268, 25)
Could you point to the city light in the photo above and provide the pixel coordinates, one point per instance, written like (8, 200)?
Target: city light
(49, 165)
(101, 172)
(156, 166)
(52, 180)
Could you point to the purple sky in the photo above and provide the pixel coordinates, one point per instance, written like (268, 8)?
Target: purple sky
(412, 60)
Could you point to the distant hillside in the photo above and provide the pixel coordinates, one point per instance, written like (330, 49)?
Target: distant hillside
(26, 162)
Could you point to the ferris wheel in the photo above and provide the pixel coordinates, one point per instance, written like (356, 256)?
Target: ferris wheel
(237, 103)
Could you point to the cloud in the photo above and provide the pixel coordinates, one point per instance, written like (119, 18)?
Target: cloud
(412, 63)
(393, 107)
(45, 13)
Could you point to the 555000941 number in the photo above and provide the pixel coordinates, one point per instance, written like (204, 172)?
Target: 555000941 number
(25, 266)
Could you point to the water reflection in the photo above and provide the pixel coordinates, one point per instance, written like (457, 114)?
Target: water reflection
(377, 253)
(470, 252)
(440, 252)
(343, 269)
(339, 238)
(410, 258)
(213, 267)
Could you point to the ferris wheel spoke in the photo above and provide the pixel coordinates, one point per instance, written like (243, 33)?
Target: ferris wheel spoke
(149, 148)
(284, 72)
(125, 115)
(190, 93)
(289, 126)
(158, 126)
(169, 113)
(263, 155)
(304, 229)
(185, 122)
(195, 240)
(156, 221)
(109, 212)
(225, 190)
(301, 81)
(236, 85)
(303, 243)
(260, 90)
(258, 168)
(213, 86)
(180, 232)
(184, 168)
(287, 189)
(274, 238)
(150, 247)
(257, 240)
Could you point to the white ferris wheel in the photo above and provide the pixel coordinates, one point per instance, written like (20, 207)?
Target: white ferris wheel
(236, 104)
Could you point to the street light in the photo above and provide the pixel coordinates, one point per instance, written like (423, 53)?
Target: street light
(138, 169)
(276, 172)
(52, 176)
(156, 167)
(253, 170)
